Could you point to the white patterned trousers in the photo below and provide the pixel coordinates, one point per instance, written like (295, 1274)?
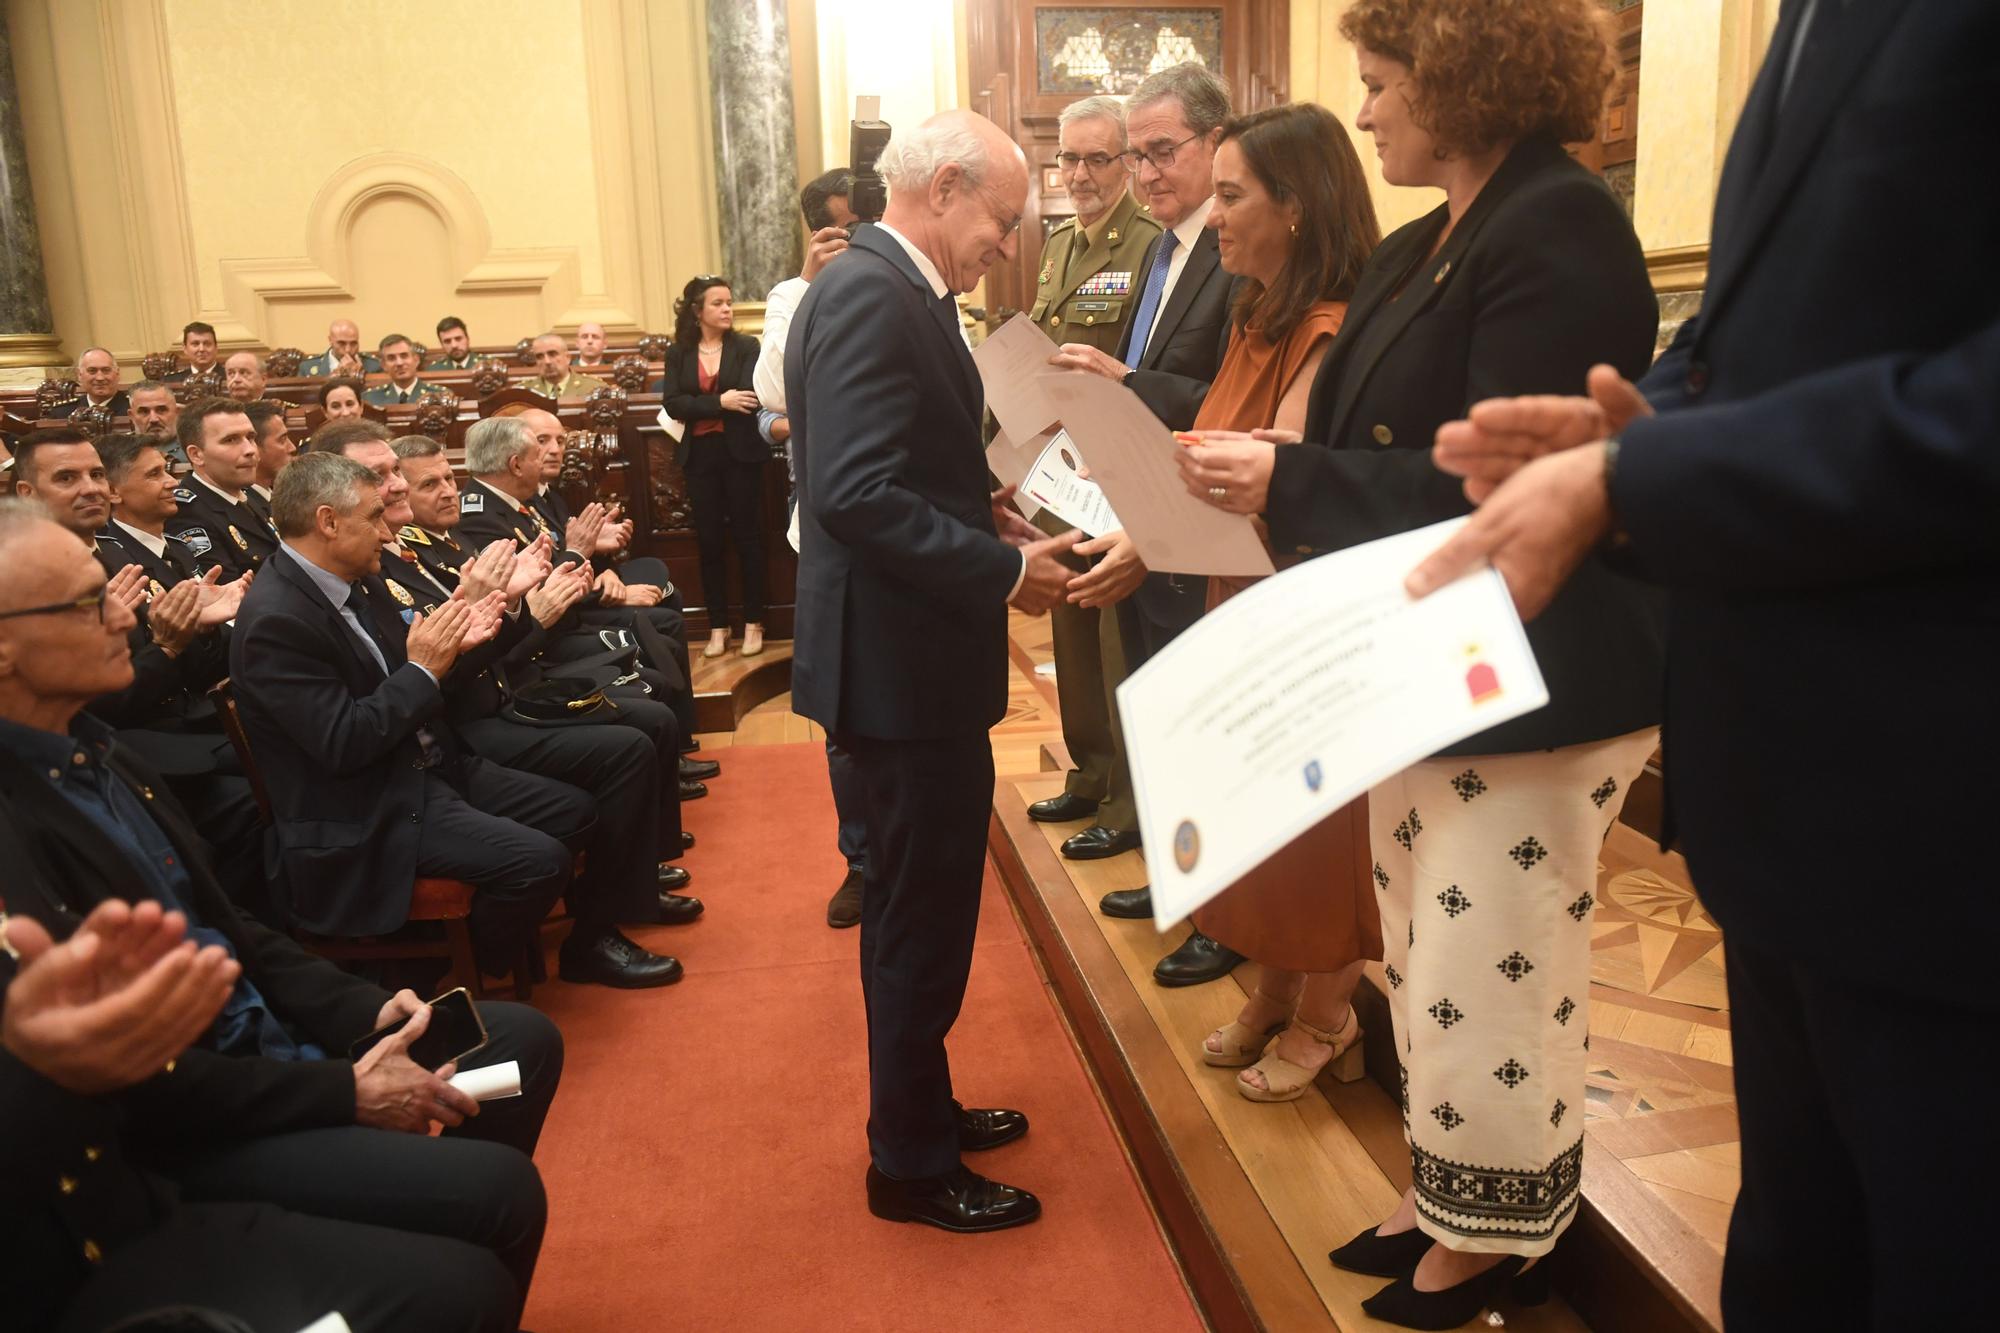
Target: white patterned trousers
(1486, 867)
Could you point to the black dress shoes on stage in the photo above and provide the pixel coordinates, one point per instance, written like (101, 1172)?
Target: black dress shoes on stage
(606, 958)
(962, 1201)
(979, 1129)
(844, 908)
(674, 877)
(692, 791)
(1097, 842)
(699, 770)
(687, 841)
(1061, 809)
(1198, 959)
(678, 909)
(1128, 904)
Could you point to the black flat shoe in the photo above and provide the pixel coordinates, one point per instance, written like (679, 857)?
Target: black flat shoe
(1097, 842)
(1128, 904)
(699, 770)
(692, 791)
(674, 877)
(979, 1130)
(1401, 1303)
(1382, 1256)
(687, 842)
(607, 958)
(844, 908)
(1061, 809)
(1198, 959)
(677, 909)
(963, 1201)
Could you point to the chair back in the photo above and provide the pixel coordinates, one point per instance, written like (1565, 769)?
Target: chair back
(224, 699)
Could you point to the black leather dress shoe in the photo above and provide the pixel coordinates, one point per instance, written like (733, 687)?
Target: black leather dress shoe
(963, 1201)
(1061, 809)
(1128, 904)
(980, 1129)
(692, 791)
(607, 958)
(687, 841)
(1198, 959)
(677, 909)
(844, 908)
(699, 770)
(1097, 842)
(674, 877)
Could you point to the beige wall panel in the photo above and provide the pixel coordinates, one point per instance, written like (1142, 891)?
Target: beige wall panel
(1697, 61)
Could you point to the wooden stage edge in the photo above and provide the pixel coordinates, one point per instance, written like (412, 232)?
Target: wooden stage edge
(1237, 1262)
(728, 687)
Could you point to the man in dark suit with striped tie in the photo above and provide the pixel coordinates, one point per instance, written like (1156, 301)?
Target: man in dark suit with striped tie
(901, 643)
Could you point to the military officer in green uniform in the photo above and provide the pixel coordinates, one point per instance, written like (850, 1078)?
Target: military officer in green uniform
(1086, 290)
(553, 377)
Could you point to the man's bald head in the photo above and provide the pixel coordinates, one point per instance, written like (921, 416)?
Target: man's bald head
(57, 660)
(957, 188)
(548, 433)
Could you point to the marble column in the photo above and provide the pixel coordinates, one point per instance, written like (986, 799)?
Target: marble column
(756, 164)
(26, 337)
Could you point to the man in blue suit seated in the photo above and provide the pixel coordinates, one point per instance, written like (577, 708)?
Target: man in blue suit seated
(901, 640)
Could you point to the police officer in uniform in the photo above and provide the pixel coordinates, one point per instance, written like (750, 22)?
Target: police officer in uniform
(1086, 290)
(215, 517)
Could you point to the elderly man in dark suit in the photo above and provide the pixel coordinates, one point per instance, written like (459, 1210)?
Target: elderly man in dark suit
(369, 787)
(264, 1108)
(1170, 351)
(97, 376)
(901, 649)
(1811, 470)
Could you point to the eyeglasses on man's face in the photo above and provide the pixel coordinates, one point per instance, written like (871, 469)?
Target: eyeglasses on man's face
(1095, 161)
(92, 602)
(1161, 157)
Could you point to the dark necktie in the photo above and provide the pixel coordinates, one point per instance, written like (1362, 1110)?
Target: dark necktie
(364, 611)
(1150, 297)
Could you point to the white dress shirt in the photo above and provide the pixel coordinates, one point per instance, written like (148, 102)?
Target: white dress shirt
(1186, 232)
(157, 545)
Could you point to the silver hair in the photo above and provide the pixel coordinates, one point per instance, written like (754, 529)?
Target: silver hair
(88, 350)
(1202, 93)
(492, 443)
(18, 513)
(312, 480)
(1098, 107)
(245, 352)
(416, 446)
(912, 160)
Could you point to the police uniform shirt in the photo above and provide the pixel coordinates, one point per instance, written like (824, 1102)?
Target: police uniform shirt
(486, 514)
(1089, 281)
(220, 531)
(165, 560)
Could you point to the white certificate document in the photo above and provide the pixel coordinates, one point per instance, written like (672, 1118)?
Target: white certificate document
(1011, 362)
(1296, 696)
(1131, 456)
(1055, 483)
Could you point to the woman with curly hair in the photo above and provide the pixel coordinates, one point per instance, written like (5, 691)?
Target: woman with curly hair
(341, 397)
(1485, 856)
(707, 389)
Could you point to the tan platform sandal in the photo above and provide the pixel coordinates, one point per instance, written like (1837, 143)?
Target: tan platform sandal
(1241, 1045)
(1286, 1082)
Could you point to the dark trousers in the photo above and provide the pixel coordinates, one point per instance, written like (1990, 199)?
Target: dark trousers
(661, 633)
(1154, 615)
(727, 499)
(474, 1184)
(273, 1269)
(1860, 1205)
(224, 810)
(926, 805)
(620, 769)
(511, 835)
(848, 806)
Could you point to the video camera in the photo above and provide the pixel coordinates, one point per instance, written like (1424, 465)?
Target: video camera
(870, 193)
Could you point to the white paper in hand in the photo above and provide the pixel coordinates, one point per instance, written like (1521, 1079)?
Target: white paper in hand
(1010, 362)
(490, 1083)
(1055, 483)
(1296, 696)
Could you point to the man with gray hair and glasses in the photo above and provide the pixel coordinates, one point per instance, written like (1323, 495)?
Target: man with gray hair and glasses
(905, 577)
(1171, 349)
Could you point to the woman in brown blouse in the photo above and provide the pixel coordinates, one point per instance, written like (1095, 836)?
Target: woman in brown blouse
(1294, 222)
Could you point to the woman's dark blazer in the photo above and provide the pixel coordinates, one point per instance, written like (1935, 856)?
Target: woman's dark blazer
(1542, 279)
(681, 395)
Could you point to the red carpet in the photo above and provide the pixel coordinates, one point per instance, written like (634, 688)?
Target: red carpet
(705, 1155)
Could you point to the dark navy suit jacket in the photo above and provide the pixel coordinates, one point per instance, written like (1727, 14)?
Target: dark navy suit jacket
(901, 630)
(1821, 493)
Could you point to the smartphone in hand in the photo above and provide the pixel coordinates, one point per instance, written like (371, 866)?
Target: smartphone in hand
(455, 1032)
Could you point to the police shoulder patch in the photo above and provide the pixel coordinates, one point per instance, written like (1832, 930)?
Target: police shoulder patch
(185, 495)
(472, 502)
(197, 540)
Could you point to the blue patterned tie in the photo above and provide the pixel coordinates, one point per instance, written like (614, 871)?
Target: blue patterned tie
(1149, 298)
